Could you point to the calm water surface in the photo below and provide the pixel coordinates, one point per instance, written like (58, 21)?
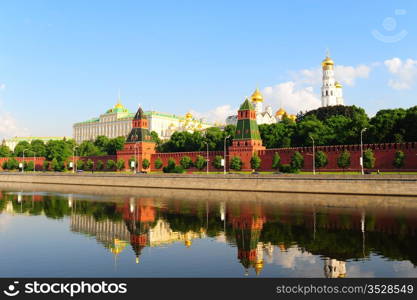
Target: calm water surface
(52, 234)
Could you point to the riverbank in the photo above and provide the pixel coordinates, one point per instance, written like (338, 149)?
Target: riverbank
(393, 185)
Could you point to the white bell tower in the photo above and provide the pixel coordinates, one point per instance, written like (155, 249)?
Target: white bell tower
(331, 90)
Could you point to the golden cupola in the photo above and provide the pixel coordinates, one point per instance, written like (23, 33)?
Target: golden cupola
(257, 96)
(188, 115)
(327, 63)
(280, 112)
(338, 85)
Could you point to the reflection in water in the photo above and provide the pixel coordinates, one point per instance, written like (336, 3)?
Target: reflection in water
(261, 232)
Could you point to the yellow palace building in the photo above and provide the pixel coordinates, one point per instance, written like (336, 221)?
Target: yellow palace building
(117, 121)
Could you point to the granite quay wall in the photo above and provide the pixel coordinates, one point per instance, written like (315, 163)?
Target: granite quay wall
(325, 184)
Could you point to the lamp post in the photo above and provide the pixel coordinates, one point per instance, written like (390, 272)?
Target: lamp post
(314, 157)
(224, 157)
(361, 161)
(74, 166)
(23, 163)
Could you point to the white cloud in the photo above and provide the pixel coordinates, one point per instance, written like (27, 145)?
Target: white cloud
(2, 86)
(9, 126)
(291, 97)
(218, 114)
(405, 73)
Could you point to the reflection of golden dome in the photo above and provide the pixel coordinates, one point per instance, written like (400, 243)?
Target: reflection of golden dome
(342, 275)
(137, 259)
(338, 85)
(188, 115)
(188, 243)
(327, 62)
(118, 246)
(280, 112)
(259, 265)
(257, 96)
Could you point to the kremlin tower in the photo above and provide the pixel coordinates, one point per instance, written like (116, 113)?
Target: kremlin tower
(331, 90)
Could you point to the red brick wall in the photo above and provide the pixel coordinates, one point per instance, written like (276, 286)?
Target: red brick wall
(38, 161)
(178, 155)
(384, 154)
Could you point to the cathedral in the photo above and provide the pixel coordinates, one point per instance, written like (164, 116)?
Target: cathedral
(263, 116)
(331, 90)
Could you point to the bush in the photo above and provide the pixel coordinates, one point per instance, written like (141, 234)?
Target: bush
(55, 165)
(145, 163)
(89, 165)
(29, 165)
(178, 169)
(236, 163)
(368, 159)
(297, 162)
(255, 161)
(286, 168)
(276, 161)
(120, 164)
(217, 162)
(321, 159)
(343, 161)
(46, 165)
(399, 159)
(12, 164)
(170, 167)
(80, 164)
(4, 165)
(100, 165)
(186, 162)
(158, 163)
(200, 162)
(110, 165)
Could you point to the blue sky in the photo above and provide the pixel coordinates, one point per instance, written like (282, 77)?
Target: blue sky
(64, 61)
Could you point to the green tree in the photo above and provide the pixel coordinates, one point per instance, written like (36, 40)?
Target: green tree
(170, 167)
(186, 162)
(200, 162)
(120, 164)
(102, 143)
(115, 144)
(89, 165)
(110, 164)
(55, 165)
(255, 162)
(22, 146)
(145, 163)
(5, 151)
(158, 163)
(4, 165)
(87, 148)
(321, 159)
(297, 161)
(399, 159)
(343, 161)
(38, 147)
(12, 164)
(156, 139)
(385, 126)
(217, 162)
(59, 149)
(29, 165)
(100, 165)
(236, 163)
(276, 161)
(368, 159)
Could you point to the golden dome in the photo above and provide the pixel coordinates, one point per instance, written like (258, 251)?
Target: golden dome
(292, 117)
(257, 96)
(188, 243)
(338, 85)
(188, 115)
(327, 62)
(280, 112)
(259, 265)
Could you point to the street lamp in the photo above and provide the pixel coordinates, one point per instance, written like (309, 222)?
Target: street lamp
(74, 166)
(23, 164)
(314, 157)
(224, 157)
(361, 160)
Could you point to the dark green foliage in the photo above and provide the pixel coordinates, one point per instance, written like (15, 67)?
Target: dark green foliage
(286, 168)
(217, 162)
(200, 162)
(399, 159)
(186, 162)
(55, 165)
(89, 165)
(120, 164)
(110, 164)
(158, 163)
(368, 159)
(255, 162)
(29, 165)
(145, 163)
(321, 159)
(343, 161)
(46, 165)
(276, 161)
(172, 167)
(80, 164)
(236, 163)
(297, 161)
(100, 165)
(5, 151)
(11, 164)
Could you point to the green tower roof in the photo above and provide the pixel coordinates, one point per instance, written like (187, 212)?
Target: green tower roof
(247, 129)
(247, 105)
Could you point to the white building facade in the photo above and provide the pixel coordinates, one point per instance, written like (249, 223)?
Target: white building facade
(117, 121)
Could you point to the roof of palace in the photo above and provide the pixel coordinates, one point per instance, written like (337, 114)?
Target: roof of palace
(30, 138)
